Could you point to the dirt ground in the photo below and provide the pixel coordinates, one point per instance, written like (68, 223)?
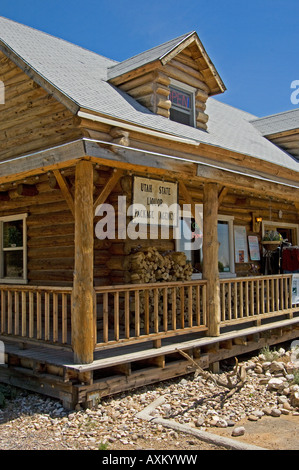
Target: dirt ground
(270, 433)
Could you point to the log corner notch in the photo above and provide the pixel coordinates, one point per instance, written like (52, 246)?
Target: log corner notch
(210, 256)
(83, 340)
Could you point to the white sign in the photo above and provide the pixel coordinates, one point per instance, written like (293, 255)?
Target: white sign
(241, 251)
(254, 248)
(295, 289)
(155, 202)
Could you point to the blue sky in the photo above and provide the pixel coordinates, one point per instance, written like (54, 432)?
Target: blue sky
(253, 44)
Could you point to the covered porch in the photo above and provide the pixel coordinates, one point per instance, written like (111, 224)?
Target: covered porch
(81, 340)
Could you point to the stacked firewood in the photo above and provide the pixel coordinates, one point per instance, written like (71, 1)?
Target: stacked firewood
(150, 266)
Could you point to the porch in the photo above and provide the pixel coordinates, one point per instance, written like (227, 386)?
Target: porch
(138, 330)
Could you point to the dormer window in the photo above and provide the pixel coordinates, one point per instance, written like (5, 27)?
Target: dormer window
(182, 104)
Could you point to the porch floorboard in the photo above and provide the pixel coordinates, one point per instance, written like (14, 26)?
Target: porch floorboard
(134, 352)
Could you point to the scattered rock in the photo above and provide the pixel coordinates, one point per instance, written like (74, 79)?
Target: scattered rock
(275, 412)
(239, 431)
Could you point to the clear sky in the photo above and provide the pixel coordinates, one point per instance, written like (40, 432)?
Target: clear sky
(253, 43)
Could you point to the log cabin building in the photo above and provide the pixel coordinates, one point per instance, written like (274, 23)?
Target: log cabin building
(85, 315)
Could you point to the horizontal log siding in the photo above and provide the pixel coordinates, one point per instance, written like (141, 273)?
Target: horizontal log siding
(30, 119)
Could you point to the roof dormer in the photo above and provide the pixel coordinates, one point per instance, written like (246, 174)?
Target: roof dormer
(173, 80)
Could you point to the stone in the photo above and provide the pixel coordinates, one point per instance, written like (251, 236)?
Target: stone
(275, 384)
(253, 418)
(238, 431)
(199, 422)
(267, 411)
(221, 423)
(275, 412)
(294, 399)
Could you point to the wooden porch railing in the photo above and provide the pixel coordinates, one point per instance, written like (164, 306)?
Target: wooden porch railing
(142, 312)
(36, 313)
(254, 298)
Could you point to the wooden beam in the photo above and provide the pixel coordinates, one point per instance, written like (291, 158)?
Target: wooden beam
(27, 190)
(109, 186)
(210, 256)
(65, 190)
(222, 195)
(83, 340)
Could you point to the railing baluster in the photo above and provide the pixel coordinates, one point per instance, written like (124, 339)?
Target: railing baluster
(165, 309)
(116, 316)
(24, 314)
(31, 315)
(127, 314)
(64, 318)
(3, 309)
(182, 303)
(173, 294)
(9, 312)
(105, 318)
(17, 313)
(47, 316)
(197, 294)
(146, 312)
(156, 310)
(190, 306)
(137, 313)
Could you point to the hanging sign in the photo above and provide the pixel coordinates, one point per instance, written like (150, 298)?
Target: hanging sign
(155, 202)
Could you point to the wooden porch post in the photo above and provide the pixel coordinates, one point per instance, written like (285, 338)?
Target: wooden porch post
(210, 256)
(83, 291)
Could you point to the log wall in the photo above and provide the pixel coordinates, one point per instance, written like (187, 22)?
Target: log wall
(31, 119)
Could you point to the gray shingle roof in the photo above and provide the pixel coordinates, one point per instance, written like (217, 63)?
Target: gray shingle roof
(280, 122)
(146, 57)
(81, 75)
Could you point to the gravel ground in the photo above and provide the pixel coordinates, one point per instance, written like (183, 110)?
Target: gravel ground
(32, 422)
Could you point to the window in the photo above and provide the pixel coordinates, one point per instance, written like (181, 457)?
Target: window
(226, 260)
(182, 104)
(13, 253)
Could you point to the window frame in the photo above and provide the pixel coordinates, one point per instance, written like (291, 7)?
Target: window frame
(186, 89)
(7, 280)
(220, 218)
